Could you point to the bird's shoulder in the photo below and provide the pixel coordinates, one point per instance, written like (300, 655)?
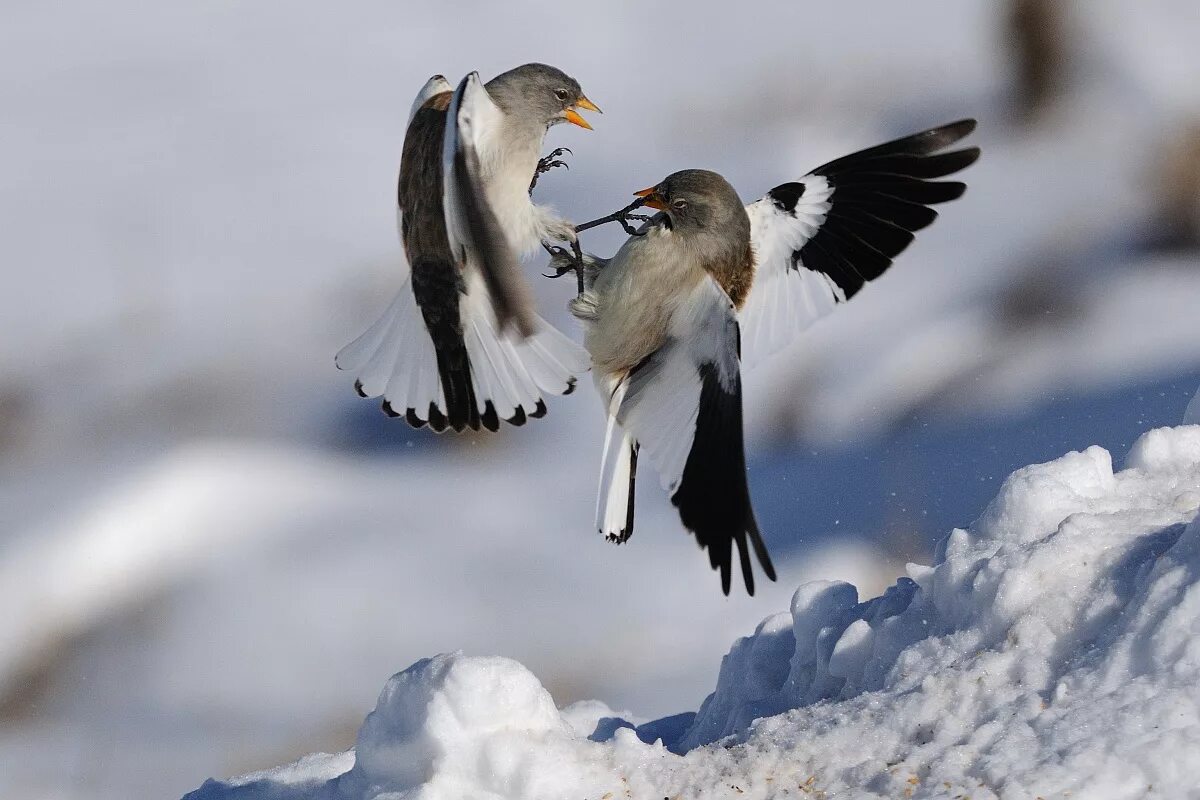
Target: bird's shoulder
(734, 272)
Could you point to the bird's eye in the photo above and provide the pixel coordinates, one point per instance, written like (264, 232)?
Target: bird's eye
(561, 94)
(680, 204)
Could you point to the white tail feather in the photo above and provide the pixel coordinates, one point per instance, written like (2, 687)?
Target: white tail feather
(613, 506)
(395, 358)
(510, 371)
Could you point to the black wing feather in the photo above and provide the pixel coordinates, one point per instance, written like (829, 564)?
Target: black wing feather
(879, 197)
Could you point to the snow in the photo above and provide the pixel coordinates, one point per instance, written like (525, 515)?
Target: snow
(1052, 649)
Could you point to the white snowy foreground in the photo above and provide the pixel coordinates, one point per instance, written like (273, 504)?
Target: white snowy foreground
(1052, 651)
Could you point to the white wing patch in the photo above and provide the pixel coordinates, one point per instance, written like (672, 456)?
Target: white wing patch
(785, 299)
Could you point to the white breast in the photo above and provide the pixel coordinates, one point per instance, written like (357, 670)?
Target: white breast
(508, 159)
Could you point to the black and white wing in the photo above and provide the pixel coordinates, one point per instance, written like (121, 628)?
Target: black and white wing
(476, 237)
(681, 407)
(819, 239)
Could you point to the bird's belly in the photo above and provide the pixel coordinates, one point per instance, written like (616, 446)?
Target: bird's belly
(638, 300)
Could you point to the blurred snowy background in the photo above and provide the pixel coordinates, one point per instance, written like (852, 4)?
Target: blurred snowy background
(212, 553)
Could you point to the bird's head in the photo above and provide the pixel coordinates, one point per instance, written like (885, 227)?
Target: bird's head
(697, 200)
(541, 93)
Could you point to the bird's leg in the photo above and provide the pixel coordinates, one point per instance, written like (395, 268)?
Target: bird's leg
(575, 261)
(622, 217)
(548, 163)
(567, 262)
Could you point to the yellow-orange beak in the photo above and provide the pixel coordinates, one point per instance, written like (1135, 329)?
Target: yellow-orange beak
(574, 118)
(573, 115)
(653, 198)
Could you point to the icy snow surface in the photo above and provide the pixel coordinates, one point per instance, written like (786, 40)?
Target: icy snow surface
(1051, 651)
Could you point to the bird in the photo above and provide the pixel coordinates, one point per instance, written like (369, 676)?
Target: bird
(460, 346)
(707, 285)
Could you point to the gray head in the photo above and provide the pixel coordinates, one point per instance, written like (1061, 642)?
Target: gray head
(699, 201)
(541, 94)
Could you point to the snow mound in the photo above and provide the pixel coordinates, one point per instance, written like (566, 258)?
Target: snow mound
(1054, 648)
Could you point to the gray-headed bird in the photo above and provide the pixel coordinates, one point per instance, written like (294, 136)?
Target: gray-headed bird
(460, 345)
(707, 281)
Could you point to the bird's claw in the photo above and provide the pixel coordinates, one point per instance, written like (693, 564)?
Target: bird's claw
(560, 271)
(549, 162)
(552, 160)
(567, 261)
(563, 261)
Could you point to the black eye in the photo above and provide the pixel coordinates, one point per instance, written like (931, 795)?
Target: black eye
(680, 204)
(561, 94)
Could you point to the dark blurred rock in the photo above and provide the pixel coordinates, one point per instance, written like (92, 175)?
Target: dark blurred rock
(1177, 223)
(1037, 39)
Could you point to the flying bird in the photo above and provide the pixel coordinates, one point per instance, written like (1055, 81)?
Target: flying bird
(460, 345)
(708, 283)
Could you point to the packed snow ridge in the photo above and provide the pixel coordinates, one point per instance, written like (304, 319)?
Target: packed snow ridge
(1053, 650)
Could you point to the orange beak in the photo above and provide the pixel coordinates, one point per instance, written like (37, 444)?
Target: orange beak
(574, 118)
(653, 198)
(573, 115)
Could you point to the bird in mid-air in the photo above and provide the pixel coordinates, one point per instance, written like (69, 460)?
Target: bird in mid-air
(707, 284)
(460, 345)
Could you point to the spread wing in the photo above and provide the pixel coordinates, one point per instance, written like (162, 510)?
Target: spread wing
(819, 239)
(683, 407)
(476, 237)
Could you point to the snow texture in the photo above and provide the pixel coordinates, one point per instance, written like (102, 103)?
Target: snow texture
(1051, 651)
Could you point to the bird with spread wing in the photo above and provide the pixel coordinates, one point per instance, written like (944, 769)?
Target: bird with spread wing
(707, 285)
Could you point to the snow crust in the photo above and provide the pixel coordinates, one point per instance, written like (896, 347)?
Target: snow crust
(1053, 649)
